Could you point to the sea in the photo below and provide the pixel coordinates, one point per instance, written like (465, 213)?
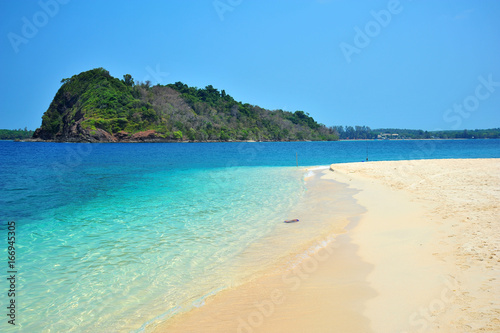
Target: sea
(119, 237)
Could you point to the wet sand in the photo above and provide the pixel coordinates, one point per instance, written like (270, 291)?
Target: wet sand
(422, 256)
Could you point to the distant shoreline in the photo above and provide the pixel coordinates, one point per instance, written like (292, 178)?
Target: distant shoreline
(239, 141)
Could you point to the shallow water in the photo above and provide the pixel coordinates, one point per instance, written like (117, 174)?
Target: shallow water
(111, 236)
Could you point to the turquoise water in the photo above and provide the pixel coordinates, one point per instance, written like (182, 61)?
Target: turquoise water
(111, 237)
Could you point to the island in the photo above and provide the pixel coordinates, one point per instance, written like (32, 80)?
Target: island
(94, 106)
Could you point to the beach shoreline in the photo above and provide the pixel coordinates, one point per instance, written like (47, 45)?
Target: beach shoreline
(460, 262)
(423, 256)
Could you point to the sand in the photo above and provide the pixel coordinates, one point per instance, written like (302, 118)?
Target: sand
(423, 257)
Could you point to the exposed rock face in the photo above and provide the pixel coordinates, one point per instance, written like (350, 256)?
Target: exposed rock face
(41, 135)
(145, 136)
(122, 136)
(75, 133)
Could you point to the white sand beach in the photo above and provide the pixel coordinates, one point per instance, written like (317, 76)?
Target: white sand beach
(424, 256)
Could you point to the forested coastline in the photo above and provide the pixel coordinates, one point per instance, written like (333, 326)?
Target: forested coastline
(93, 106)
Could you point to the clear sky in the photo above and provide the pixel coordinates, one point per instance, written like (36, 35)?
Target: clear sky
(421, 64)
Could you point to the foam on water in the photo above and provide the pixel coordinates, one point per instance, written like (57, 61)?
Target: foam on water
(314, 170)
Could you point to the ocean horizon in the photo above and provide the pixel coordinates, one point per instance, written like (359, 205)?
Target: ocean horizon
(116, 237)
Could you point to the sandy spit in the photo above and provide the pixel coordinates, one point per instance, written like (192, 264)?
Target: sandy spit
(424, 256)
(440, 273)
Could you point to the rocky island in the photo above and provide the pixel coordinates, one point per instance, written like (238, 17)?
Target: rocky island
(93, 106)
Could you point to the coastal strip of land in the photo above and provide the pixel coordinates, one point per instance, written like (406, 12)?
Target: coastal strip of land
(424, 256)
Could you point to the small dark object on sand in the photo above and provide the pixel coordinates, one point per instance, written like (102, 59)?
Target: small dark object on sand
(291, 221)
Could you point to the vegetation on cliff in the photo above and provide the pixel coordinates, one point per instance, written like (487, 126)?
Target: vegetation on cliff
(93, 106)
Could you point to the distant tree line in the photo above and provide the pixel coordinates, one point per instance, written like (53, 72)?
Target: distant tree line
(17, 134)
(366, 133)
(354, 133)
(493, 133)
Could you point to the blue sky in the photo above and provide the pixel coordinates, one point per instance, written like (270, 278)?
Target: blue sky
(417, 64)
